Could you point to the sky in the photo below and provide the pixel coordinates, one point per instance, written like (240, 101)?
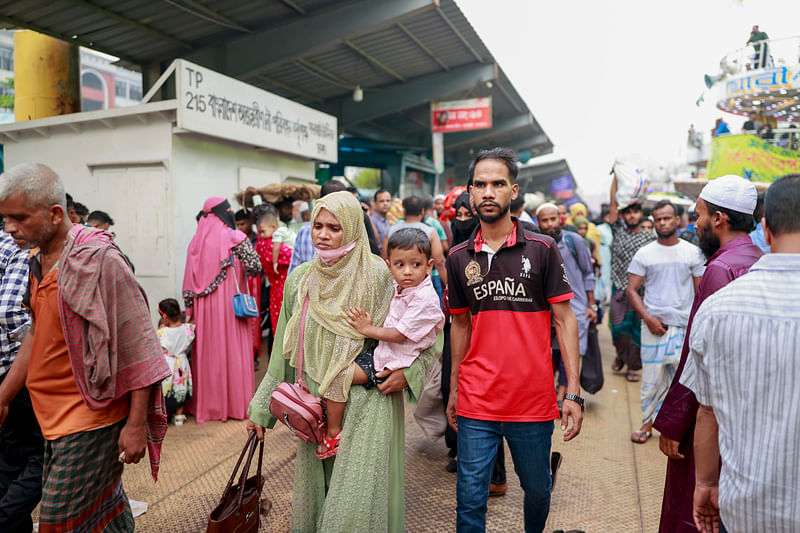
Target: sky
(620, 78)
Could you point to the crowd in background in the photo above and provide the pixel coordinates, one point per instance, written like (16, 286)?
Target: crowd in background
(394, 298)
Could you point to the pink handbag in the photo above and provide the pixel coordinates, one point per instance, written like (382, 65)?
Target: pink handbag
(292, 404)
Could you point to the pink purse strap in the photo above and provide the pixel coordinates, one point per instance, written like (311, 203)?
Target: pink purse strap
(300, 349)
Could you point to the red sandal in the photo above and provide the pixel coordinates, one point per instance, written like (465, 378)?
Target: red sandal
(329, 447)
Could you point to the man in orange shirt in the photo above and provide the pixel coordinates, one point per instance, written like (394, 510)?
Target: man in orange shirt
(90, 361)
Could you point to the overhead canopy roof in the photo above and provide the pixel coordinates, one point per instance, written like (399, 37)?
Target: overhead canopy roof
(402, 53)
(537, 178)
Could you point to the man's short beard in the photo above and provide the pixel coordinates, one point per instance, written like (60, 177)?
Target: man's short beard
(666, 235)
(624, 217)
(555, 233)
(709, 243)
(634, 227)
(491, 219)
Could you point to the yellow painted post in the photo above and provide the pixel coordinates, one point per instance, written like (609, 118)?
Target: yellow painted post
(46, 76)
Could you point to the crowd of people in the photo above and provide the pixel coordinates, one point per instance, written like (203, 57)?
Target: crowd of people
(375, 295)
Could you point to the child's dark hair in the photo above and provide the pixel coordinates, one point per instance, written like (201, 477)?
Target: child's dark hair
(408, 238)
(170, 308)
(266, 213)
(100, 216)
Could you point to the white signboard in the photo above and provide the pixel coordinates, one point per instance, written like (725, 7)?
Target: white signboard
(217, 105)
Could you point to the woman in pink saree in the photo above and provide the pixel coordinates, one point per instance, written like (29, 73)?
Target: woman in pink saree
(218, 257)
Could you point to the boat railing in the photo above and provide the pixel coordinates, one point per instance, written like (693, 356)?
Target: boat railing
(770, 53)
(781, 137)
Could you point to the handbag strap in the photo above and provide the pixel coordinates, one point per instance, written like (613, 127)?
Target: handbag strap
(247, 446)
(302, 333)
(243, 477)
(233, 269)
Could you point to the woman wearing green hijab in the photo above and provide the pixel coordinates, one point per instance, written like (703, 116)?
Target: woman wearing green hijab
(361, 489)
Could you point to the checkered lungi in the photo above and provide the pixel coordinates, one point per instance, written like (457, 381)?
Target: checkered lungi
(82, 484)
(625, 329)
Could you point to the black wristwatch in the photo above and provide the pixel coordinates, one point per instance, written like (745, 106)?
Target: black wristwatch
(575, 398)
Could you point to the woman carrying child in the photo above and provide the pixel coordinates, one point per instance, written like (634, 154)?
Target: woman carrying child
(368, 471)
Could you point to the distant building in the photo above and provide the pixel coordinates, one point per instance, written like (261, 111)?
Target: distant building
(103, 84)
(106, 86)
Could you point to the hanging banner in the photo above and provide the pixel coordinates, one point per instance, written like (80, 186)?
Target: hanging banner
(438, 152)
(561, 187)
(219, 106)
(750, 157)
(461, 115)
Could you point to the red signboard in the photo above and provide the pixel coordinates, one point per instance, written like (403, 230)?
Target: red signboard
(461, 115)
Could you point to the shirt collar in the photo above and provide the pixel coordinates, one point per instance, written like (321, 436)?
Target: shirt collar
(510, 240)
(741, 240)
(777, 261)
(411, 290)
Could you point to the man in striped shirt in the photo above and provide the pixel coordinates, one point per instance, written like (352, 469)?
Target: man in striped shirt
(744, 370)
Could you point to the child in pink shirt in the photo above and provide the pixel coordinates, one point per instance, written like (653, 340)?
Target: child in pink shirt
(414, 321)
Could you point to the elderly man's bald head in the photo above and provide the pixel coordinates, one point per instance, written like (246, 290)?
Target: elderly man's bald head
(38, 183)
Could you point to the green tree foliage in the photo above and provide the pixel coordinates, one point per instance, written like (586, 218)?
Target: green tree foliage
(368, 178)
(7, 100)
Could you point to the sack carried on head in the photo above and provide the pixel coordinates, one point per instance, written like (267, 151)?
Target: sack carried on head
(631, 183)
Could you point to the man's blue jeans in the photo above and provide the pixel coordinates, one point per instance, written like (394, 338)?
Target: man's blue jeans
(437, 286)
(529, 443)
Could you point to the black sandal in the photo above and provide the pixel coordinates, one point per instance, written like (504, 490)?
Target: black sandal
(632, 377)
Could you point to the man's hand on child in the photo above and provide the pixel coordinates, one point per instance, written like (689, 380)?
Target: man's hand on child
(359, 319)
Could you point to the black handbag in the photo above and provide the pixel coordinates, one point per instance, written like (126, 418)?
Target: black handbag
(239, 510)
(592, 367)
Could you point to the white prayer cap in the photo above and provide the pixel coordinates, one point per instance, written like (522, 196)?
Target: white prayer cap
(731, 192)
(546, 205)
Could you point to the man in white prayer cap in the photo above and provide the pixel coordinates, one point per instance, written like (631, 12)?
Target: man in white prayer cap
(724, 220)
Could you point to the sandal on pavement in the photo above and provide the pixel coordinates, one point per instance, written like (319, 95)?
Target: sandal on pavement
(555, 464)
(179, 420)
(632, 377)
(640, 437)
(329, 447)
(617, 365)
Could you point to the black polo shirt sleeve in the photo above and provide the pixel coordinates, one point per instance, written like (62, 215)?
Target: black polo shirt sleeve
(455, 285)
(554, 277)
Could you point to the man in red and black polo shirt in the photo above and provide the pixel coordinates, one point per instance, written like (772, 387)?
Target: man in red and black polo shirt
(504, 284)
